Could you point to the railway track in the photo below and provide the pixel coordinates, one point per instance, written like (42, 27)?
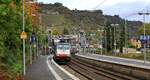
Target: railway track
(92, 72)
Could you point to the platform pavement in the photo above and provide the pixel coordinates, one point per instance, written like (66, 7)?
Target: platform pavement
(39, 70)
(117, 60)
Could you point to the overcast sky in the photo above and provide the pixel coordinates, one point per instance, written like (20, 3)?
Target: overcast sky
(125, 8)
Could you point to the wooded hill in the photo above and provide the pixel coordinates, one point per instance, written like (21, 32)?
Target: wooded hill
(58, 15)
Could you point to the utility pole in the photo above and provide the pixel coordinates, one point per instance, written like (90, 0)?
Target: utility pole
(37, 39)
(82, 40)
(30, 53)
(23, 28)
(37, 53)
(102, 43)
(144, 15)
(105, 37)
(41, 27)
(125, 26)
(101, 39)
(31, 39)
(105, 42)
(115, 39)
(114, 26)
(111, 38)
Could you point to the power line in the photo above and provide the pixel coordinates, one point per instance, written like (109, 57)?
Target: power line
(131, 14)
(144, 8)
(99, 4)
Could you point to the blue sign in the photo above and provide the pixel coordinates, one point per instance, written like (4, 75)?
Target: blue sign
(148, 37)
(145, 38)
(32, 38)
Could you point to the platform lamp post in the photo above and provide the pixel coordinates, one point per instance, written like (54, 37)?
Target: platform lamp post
(38, 32)
(23, 36)
(32, 41)
(45, 43)
(30, 53)
(105, 40)
(125, 26)
(101, 41)
(31, 50)
(49, 36)
(114, 25)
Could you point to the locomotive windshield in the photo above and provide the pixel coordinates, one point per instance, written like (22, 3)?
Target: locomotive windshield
(63, 46)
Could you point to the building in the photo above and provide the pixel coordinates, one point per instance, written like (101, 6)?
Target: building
(136, 43)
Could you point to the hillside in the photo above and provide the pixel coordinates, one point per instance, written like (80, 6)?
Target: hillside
(58, 15)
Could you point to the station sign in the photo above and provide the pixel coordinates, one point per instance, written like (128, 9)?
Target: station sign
(23, 35)
(145, 38)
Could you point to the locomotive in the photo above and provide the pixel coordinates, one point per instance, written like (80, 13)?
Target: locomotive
(62, 52)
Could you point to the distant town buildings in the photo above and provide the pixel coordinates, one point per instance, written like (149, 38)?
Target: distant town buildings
(136, 43)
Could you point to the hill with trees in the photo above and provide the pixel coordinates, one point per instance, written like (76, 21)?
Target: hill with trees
(83, 19)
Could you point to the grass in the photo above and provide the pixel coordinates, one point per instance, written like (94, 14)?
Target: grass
(138, 56)
(131, 56)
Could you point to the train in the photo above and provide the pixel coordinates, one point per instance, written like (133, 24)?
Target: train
(62, 52)
(63, 48)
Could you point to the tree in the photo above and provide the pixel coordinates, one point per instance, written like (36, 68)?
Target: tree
(121, 41)
(141, 30)
(56, 31)
(32, 11)
(109, 37)
(66, 31)
(57, 4)
(10, 42)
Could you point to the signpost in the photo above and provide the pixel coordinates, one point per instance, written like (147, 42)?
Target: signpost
(23, 36)
(33, 40)
(145, 41)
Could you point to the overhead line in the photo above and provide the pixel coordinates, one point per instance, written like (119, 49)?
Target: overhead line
(145, 8)
(131, 14)
(99, 4)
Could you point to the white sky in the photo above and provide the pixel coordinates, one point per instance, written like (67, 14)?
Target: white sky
(110, 7)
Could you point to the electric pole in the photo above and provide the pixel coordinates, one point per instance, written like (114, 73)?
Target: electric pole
(115, 43)
(144, 15)
(23, 29)
(105, 36)
(125, 36)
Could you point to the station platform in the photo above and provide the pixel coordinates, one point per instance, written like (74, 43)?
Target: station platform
(45, 68)
(117, 60)
(39, 70)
